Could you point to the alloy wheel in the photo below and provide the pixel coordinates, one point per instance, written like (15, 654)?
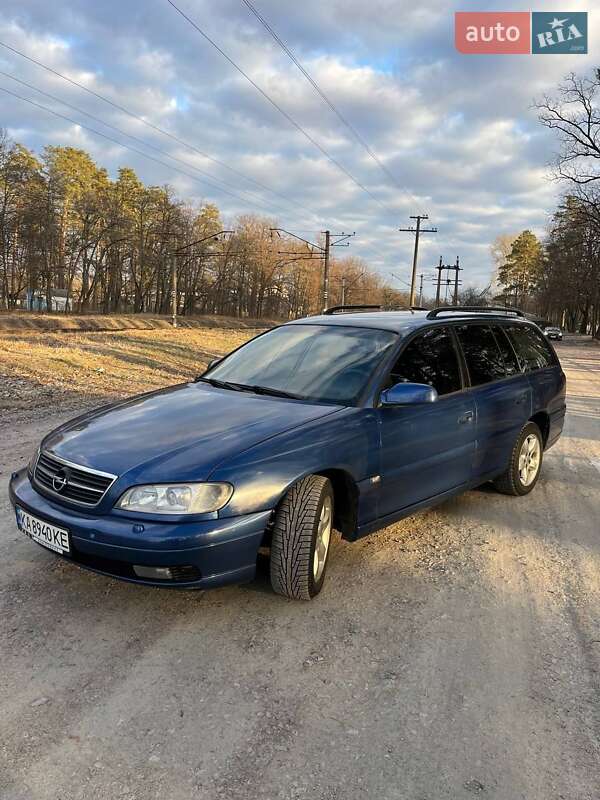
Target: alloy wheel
(529, 459)
(323, 538)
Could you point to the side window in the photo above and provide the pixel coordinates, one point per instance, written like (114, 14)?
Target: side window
(430, 358)
(508, 354)
(531, 348)
(482, 354)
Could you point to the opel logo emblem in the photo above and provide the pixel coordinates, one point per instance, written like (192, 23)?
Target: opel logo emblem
(60, 480)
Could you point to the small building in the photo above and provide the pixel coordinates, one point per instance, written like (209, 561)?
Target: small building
(37, 300)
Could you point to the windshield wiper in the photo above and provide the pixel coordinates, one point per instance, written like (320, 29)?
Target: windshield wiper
(242, 387)
(220, 384)
(273, 392)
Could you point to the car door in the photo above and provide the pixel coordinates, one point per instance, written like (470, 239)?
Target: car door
(501, 392)
(426, 450)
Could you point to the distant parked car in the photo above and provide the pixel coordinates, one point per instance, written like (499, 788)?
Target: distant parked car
(345, 420)
(553, 332)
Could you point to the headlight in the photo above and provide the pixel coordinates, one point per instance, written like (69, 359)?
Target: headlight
(176, 498)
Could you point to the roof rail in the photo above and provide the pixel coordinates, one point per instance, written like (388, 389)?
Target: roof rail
(341, 309)
(490, 310)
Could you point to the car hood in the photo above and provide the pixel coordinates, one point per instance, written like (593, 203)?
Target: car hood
(179, 433)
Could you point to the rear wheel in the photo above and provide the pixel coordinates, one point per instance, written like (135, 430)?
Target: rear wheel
(525, 463)
(301, 538)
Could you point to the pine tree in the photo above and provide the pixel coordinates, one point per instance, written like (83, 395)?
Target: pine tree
(522, 268)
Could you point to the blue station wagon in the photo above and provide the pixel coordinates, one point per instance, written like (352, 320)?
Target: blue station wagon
(349, 420)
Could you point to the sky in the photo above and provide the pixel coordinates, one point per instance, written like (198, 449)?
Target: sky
(457, 134)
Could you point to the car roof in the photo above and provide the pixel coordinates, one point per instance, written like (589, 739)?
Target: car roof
(401, 321)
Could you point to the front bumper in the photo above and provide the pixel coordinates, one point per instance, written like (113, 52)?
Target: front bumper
(203, 554)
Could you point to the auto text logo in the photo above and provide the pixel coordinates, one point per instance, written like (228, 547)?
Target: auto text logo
(520, 32)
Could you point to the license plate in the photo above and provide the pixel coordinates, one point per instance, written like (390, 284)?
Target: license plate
(43, 533)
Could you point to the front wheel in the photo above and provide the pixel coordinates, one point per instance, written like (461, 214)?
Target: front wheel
(525, 463)
(301, 538)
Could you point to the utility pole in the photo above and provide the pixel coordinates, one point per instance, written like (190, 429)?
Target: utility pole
(326, 269)
(418, 230)
(174, 290)
(343, 290)
(457, 268)
(421, 289)
(439, 268)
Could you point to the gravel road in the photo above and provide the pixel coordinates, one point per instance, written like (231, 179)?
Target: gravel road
(452, 655)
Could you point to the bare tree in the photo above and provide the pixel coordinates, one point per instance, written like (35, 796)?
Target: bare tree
(569, 285)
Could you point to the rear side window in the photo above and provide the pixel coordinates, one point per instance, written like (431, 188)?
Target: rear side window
(430, 358)
(508, 354)
(531, 348)
(482, 353)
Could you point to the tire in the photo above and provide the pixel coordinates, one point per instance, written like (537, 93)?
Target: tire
(295, 572)
(513, 480)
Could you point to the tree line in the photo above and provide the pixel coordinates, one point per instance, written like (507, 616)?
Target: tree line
(558, 277)
(67, 230)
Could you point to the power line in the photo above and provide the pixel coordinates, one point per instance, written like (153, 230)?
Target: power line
(120, 144)
(187, 164)
(282, 111)
(329, 102)
(148, 124)
(359, 138)
(406, 283)
(370, 248)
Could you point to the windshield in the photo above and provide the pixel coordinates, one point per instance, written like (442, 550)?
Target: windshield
(325, 363)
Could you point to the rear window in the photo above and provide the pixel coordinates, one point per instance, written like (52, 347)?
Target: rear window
(482, 353)
(532, 349)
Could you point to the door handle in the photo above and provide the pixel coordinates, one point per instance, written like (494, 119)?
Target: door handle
(521, 399)
(466, 417)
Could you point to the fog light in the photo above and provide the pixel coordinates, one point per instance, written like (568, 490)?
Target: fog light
(154, 573)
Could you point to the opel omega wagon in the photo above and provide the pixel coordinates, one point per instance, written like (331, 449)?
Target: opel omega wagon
(350, 421)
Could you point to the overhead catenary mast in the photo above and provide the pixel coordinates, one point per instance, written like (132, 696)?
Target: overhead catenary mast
(318, 251)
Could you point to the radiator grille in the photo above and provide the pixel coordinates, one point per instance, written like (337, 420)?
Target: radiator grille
(71, 482)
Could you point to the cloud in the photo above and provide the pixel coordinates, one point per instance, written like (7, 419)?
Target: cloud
(457, 132)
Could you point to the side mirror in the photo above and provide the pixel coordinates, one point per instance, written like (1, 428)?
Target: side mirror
(408, 394)
(211, 364)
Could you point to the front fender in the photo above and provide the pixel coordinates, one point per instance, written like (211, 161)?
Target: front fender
(262, 474)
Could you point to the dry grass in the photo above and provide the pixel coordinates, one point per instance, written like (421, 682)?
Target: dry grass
(37, 369)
